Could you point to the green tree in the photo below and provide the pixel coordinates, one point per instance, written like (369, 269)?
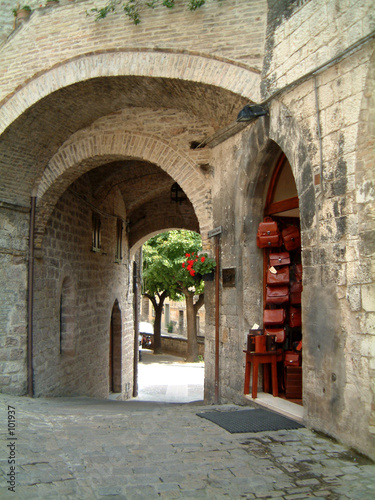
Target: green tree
(166, 274)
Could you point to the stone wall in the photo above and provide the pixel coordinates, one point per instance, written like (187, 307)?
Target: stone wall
(303, 35)
(14, 226)
(178, 345)
(338, 329)
(97, 281)
(329, 152)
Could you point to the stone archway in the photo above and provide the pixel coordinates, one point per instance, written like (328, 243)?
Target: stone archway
(262, 145)
(93, 149)
(264, 142)
(189, 67)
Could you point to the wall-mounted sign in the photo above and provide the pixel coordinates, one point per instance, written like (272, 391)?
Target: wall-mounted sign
(215, 231)
(229, 277)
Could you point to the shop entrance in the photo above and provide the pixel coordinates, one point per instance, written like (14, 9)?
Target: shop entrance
(283, 279)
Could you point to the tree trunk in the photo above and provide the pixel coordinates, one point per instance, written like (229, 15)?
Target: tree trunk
(192, 343)
(158, 307)
(157, 329)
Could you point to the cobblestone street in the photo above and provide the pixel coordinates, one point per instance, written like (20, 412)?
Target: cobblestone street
(81, 448)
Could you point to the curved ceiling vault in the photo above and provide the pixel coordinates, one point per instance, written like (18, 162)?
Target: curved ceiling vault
(193, 111)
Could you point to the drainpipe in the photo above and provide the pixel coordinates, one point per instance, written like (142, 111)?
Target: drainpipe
(136, 330)
(217, 320)
(30, 283)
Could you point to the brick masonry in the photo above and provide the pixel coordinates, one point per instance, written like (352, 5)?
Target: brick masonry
(76, 94)
(96, 283)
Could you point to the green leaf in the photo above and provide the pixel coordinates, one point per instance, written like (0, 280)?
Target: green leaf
(163, 256)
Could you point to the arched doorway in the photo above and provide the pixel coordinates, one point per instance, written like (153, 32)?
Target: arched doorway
(282, 205)
(114, 364)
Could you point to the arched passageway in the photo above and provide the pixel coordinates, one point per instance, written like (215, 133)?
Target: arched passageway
(97, 138)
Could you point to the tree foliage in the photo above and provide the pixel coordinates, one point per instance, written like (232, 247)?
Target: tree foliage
(133, 8)
(163, 256)
(171, 268)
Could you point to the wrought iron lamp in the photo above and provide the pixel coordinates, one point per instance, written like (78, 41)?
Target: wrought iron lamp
(250, 112)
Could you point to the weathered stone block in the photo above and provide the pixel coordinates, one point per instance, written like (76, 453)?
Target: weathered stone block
(368, 297)
(354, 297)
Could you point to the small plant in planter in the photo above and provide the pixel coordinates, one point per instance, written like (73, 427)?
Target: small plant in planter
(21, 14)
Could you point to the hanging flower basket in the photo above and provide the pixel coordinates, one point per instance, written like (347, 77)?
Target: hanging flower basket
(199, 266)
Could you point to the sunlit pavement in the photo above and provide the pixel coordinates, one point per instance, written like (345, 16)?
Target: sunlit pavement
(168, 379)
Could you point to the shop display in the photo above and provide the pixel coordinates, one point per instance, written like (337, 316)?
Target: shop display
(268, 234)
(283, 289)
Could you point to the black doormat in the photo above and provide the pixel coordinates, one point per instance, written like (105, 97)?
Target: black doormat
(250, 420)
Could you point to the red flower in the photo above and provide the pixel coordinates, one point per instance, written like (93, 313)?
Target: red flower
(192, 272)
(183, 264)
(203, 259)
(187, 255)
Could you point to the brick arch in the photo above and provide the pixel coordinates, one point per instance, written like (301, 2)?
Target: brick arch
(88, 151)
(148, 63)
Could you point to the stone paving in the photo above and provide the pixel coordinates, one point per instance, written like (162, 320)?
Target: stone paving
(83, 448)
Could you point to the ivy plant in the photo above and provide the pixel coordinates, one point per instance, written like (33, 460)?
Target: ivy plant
(132, 8)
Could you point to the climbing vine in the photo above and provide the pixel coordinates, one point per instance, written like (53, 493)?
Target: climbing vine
(133, 8)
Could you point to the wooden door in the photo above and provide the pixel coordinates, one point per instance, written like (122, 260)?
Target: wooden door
(110, 374)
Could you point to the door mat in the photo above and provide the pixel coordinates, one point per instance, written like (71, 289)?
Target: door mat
(250, 420)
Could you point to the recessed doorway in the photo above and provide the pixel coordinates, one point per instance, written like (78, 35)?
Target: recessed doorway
(114, 365)
(282, 205)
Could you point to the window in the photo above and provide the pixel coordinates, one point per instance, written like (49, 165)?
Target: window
(95, 232)
(119, 230)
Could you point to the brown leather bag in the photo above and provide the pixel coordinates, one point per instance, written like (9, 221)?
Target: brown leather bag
(297, 272)
(292, 358)
(273, 317)
(295, 292)
(278, 332)
(281, 277)
(268, 234)
(291, 237)
(279, 259)
(277, 295)
(294, 317)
